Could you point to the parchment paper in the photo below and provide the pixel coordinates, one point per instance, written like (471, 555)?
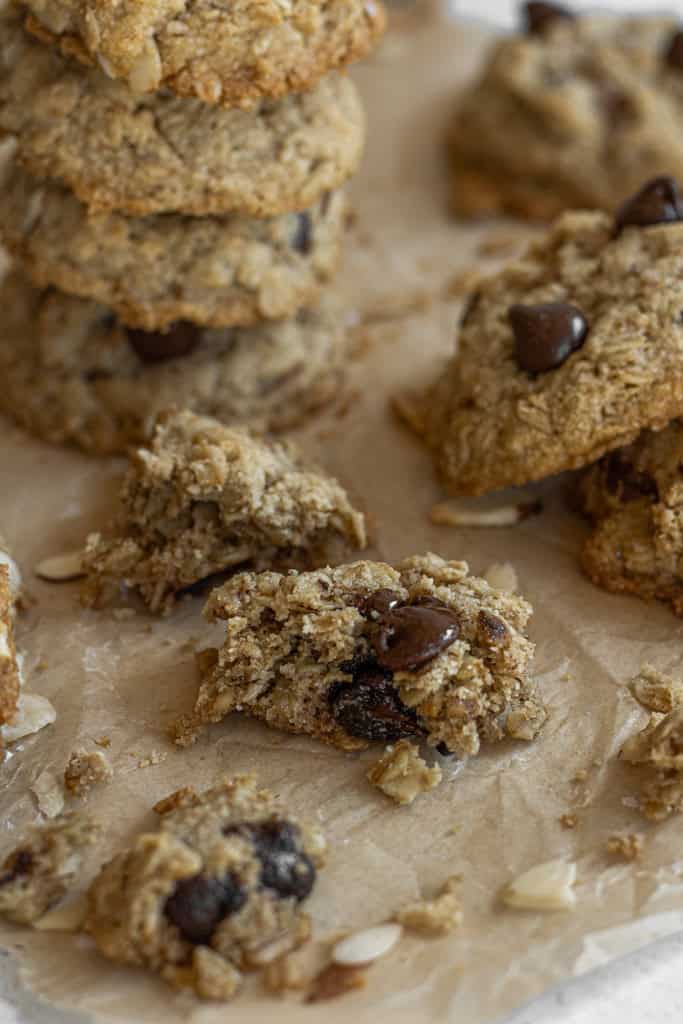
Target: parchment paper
(498, 816)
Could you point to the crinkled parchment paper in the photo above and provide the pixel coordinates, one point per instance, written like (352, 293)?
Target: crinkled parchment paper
(500, 814)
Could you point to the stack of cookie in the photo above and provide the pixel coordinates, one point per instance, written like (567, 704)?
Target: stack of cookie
(172, 203)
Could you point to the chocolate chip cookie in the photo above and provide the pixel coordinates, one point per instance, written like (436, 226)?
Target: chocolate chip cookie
(75, 374)
(216, 890)
(153, 271)
(368, 653)
(570, 112)
(635, 497)
(156, 153)
(10, 672)
(227, 53)
(568, 352)
(204, 498)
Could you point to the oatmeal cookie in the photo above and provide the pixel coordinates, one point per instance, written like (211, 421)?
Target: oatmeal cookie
(365, 652)
(568, 352)
(216, 890)
(152, 271)
(155, 153)
(10, 669)
(223, 53)
(75, 374)
(204, 498)
(574, 112)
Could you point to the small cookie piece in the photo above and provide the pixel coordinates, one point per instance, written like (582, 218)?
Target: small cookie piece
(658, 752)
(204, 498)
(216, 890)
(567, 353)
(402, 774)
(40, 870)
(156, 153)
(85, 769)
(222, 53)
(574, 112)
(436, 917)
(153, 271)
(367, 653)
(10, 669)
(635, 497)
(75, 374)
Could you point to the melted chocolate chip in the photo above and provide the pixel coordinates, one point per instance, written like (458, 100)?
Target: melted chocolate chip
(372, 710)
(538, 16)
(657, 202)
(157, 346)
(379, 603)
(197, 905)
(18, 863)
(492, 630)
(303, 236)
(626, 482)
(407, 638)
(673, 51)
(546, 334)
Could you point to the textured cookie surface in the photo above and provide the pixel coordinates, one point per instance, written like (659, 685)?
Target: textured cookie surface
(204, 498)
(217, 889)
(635, 497)
(155, 153)
(494, 423)
(365, 652)
(10, 675)
(227, 53)
(74, 374)
(574, 115)
(152, 271)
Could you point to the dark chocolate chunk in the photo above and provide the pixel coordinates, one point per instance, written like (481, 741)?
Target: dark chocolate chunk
(157, 346)
(657, 202)
(303, 235)
(379, 603)
(198, 904)
(539, 16)
(673, 51)
(626, 482)
(18, 863)
(546, 334)
(286, 868)
(372, 710)
(408, 637)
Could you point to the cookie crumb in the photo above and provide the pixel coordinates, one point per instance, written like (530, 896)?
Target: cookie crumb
(402, 774)
(656, 691)
(439, 916)
(334, 981)
(625, 847)
(569, 820)
(156, 757)
(658, 751)
(103, 741)
(85, 769)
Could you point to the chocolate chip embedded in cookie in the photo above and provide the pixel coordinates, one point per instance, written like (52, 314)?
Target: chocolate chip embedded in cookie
(657, 202)
(546, 334)
(216, 890)
(367, 653)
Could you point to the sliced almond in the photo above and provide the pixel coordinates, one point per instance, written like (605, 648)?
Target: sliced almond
(366, 946)
(448, 514)
(547, 886)
(61, 568)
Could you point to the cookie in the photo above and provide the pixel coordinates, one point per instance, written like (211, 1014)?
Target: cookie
(568, 352)
(10, 669)
(571, 112)
(204, 498)
(215, 890)
(225, 53)
(75, 374)
(635, 497)
(156, 153)
(365, 652)
(153, 271)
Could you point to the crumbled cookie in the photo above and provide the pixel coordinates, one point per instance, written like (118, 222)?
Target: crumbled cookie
(157, 153)
(658, 748)
(439, 916)
(365, 652)
(567, 353)
(625, 847)
(85, 769)
(154, 271)
(40, 870)
(575, 113)
(204, 498)
(10, 668)
(79, 376)
(656, 691)
(227, 54)
(402, 774)
(635, 498)
(216, 890)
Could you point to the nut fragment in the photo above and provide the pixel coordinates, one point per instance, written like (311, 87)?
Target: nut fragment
(449, 514)
(366, 946)
(61, 568)
(547, 886)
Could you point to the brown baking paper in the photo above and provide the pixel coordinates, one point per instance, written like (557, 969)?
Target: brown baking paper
(128, 678)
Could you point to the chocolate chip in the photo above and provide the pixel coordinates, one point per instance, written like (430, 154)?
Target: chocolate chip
(626, 482)
(657, 202)
(492, 630)
(157, 346)
(372, 710)
(197, 905)
(286, 869)
(546, 334)
(673, 51)
(407, 638)
(379, 603)
(18, 863)
(443, 750)
(303, 236)
(538, 16)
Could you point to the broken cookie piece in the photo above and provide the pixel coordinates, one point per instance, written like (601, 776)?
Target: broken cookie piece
(40, 870)
(216, 890)
(658, 751)
(402, 774)
(439, 916)
(85, 769)
(367, 653)
(204, 498)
